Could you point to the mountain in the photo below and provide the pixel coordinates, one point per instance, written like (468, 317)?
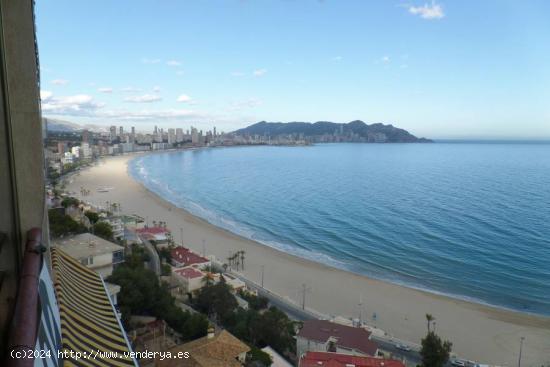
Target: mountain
(63, 126)
(324, 131)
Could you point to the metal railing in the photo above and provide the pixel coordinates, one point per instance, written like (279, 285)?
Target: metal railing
(24, 325)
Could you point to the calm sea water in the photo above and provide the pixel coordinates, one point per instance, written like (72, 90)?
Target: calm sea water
(467, 220)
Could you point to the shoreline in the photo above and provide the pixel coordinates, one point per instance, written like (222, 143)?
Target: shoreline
(481, 332)
(281, 251)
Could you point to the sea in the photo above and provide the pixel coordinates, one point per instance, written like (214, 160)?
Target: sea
(470, 220)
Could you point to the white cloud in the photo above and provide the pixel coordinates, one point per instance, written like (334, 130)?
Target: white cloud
(78, 105)
(150, 61)
(179, 73)
(82, 105)
(184, 98)
(156, 89)
(428, 11)
(145, 98)
(173, 63)
(259, 72)
(130, 90)
(237, 73)
(105, 90)
(245, 104)
(149, 114)
(45, 95)
(337, 58)
(59, 81)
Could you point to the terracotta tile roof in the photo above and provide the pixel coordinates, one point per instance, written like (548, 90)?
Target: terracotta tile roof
(346, 336)
(153, 230)
(186, 257)
(189, 273)
(325, 359)
(220, 351)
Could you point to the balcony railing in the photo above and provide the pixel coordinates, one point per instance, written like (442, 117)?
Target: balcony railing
(24, 326)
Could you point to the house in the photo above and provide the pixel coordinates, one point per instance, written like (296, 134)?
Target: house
(326, 359)
(160, 235)
(92, 251)
(188, 279)
(117, 226)
(326, 336)
(234, 282)
(182, 256)
(214, 350)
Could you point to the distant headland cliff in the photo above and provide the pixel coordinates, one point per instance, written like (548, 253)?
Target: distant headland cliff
(329, 132)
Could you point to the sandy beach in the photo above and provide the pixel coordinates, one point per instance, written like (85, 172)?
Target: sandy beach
(481, 333)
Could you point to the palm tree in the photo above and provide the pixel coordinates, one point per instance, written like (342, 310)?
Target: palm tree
(242, 258)
(430, 319)
(237, 261)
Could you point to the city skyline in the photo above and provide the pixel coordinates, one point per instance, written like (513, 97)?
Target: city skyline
(411, 64)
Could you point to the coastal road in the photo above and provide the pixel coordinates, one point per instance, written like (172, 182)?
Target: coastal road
(296, 313)
(292, 310)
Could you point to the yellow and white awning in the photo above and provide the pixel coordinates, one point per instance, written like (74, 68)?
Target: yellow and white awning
(90, 328)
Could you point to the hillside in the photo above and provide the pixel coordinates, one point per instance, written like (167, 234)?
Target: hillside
(324, 131)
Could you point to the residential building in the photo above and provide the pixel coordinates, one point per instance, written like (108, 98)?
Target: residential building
(234, 282)
(49, 302)
(182, 256)
(214, 350)
(325, 359)
(326, 336)
(160, 235)
(117, 226)
(188, 280)
(171, 136)
(92, 251)
(76, 152)
(112, 133)
(179, 135)
(85, 151)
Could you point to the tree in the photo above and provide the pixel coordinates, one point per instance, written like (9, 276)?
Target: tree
(103, 230)
(435, 352)
(242, 252)
(69, 201)
(61, 224)
(258, 355)
(430, 319)
(92, 216)
(217, 300)
(275, 329)
(152, 298)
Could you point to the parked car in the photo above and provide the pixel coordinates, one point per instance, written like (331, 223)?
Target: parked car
(458, 363)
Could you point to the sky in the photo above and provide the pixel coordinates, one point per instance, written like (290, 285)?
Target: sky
(445, 69)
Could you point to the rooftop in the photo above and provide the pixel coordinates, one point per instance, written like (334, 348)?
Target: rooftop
(221, 350)
(153, 230)
(187, 257)
(325, 359)
(346, 336)
(86, 244)
(189, 273)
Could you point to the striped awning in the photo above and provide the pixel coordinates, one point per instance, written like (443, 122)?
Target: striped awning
(89, 324)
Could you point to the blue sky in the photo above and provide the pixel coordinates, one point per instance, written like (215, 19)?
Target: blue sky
(445, 69)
